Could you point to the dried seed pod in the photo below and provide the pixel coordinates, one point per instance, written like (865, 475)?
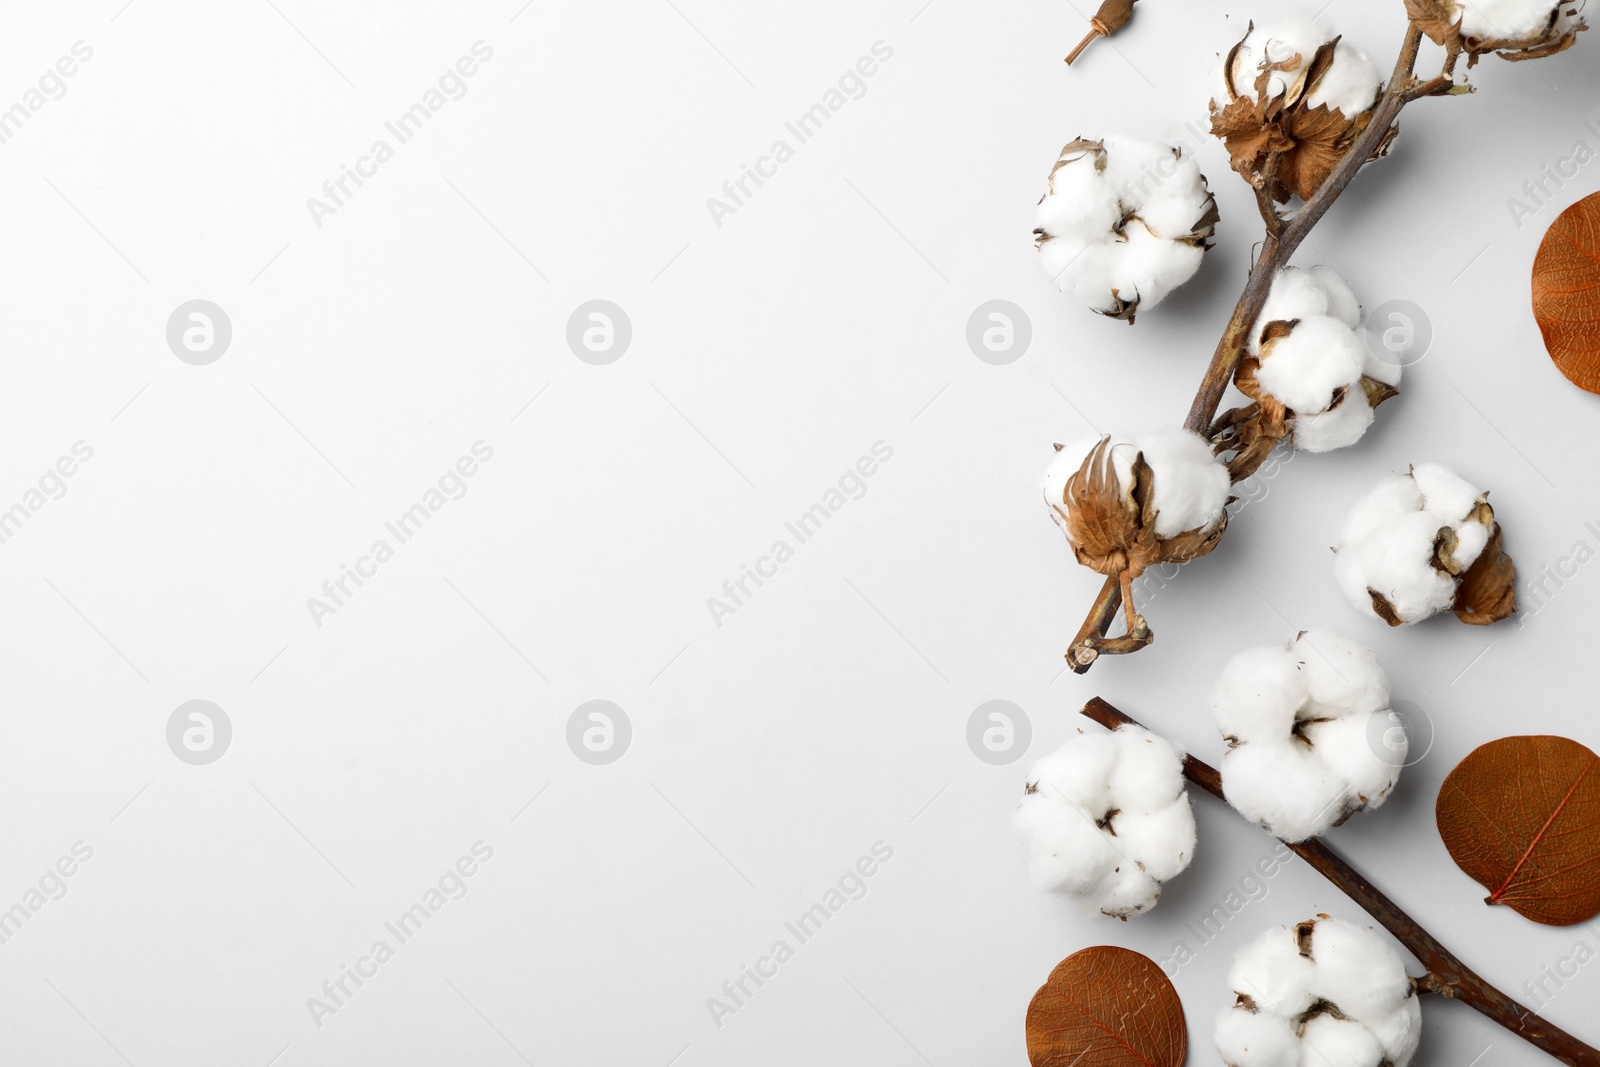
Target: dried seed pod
(1294, 101)
(1112, 16)
(1516, 29)
(1131, 504)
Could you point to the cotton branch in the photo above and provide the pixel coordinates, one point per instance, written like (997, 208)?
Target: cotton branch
(1283, 238)
(1446, 974)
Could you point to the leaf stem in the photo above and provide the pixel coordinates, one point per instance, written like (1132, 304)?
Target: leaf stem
(1446, 974)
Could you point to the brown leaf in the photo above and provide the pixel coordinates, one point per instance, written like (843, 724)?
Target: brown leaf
(1322, 135)
(1487, 592)
(1102, 523)
(1521, 815)
(1437, 19)
(1106, 1007)
(1377, 392)
(1566, 292)
(1246, 132)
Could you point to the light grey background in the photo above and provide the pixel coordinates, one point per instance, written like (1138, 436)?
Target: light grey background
(829, 712)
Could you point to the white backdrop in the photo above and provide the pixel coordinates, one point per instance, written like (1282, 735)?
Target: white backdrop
(776, 342)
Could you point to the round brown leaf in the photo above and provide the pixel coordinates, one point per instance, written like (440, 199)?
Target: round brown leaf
(1566, 292)
(1521, 815)
(1106, 1007)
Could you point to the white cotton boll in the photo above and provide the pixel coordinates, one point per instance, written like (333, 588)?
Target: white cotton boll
(1273, 974)
(1295, 294)
(1107, 821)
(1338, 990)
(1341, 299)
(1183, 201)
(1358, 970)
(1445, 494)
(1089, 276)
(1126, 890)
(1330, 1042)
(1276, 43)
(1471, 539)
(1256, 1039)
(1164, 840)
(1339, 427)
(1508, 20)
(1079, 771)
(1134, 168)
(1258, 694)
(1122, 223)
(1342, 677)
(1301, 758)
(1146, 268)
(1191, 487)
(1392, 540)
(1350, 84)
(1148, 772)
(1395, 495)
(1400, 1032)
(1305, 368)
(1062, 259)
(1081, 203)
(1068, 854)
(1349, 749)
(1396, 562)
(1284, 788)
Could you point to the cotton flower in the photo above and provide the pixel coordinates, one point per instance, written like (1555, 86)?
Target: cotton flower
(1296, 98)
(1425, 542)
(1123, 223)
(1107, 820)
(1126, 503)
(1300, 723)
(1309, 368)
(1516, 29)
(1321, 993)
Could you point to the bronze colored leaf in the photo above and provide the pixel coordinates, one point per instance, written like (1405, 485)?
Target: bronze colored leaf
(1106, 1007)
(1521, 815)
(1566, 292)
(1322, 135)
(1437, 19)
(1488, 591)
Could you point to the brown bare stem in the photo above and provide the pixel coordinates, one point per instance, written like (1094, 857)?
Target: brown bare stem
(1446, 974)
(1078, 51)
